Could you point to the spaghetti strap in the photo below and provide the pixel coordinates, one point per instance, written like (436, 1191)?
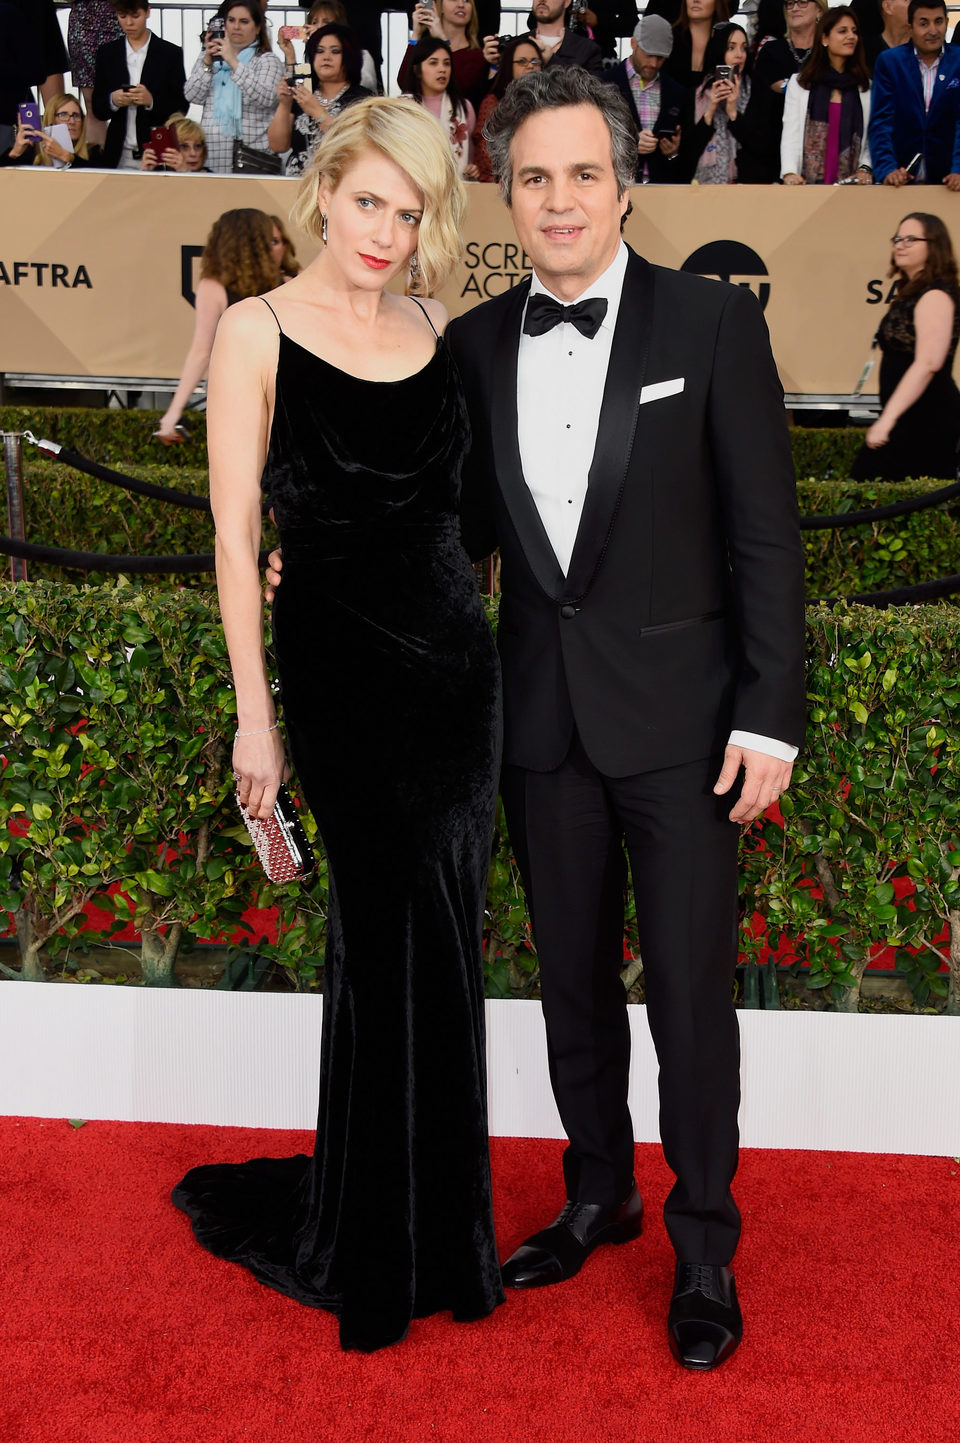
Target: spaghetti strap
(274, 314)
(424, 309)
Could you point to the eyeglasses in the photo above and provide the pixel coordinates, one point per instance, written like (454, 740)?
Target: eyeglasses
(797, 4)
(532, 62)
(906, 240)
(67, 115)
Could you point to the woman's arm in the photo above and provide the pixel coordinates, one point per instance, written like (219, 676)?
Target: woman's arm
(933, 320)
(211, 303)
(795, 102)
(280, 129)
(199, 81)
(237, 421)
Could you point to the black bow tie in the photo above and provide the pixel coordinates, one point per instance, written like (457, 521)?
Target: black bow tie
(543, 313)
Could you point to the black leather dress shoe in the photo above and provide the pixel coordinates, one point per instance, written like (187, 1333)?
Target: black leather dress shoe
(704, 1321)
(560, 1251)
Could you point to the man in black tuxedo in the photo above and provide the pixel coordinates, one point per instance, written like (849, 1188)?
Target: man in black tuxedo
(630, 458)
(138, 82)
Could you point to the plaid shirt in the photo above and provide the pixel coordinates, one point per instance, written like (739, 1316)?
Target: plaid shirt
(257, 81)
(647, 100)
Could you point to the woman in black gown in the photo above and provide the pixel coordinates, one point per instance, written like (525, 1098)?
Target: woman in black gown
(390, 689)
(917, 431)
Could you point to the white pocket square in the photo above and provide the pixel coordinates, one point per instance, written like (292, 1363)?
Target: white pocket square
(659, 389)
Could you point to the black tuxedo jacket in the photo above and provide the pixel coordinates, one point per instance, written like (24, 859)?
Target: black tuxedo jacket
(162, 75)
(681, 616)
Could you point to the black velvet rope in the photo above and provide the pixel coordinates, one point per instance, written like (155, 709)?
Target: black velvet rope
(841, 519)
(905, 596)
(102, 561)
(130, 483)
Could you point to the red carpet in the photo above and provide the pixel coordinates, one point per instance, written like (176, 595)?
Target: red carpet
(117, 1328)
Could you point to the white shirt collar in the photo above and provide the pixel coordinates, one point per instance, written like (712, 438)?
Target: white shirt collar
(609, 285)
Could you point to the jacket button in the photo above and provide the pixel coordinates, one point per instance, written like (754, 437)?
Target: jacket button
(566, 611)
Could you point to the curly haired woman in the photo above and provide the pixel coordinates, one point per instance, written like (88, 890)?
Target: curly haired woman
(237, 262)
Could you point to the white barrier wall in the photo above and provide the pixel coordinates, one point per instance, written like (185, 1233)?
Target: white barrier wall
(810, 1080)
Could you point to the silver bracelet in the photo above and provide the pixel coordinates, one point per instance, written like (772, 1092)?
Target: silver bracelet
(261, 731)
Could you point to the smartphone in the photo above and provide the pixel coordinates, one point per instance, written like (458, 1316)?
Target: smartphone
(29, 114)
(162, 137)
(297, 72)
(724, 72)
(217, 28)
(427, 4)
(294, 32)
(668, 122)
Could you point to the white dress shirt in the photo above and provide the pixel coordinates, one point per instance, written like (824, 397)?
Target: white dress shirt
(561, 377)
(135, 61)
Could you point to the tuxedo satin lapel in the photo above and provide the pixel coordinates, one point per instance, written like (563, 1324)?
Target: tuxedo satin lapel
(618, 424)
(540, 555)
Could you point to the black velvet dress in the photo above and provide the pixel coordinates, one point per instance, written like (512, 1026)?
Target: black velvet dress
(390, 689)
(924, 440)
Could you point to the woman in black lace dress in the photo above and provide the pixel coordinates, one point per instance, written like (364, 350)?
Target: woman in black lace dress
(917, 431)
(346, 400)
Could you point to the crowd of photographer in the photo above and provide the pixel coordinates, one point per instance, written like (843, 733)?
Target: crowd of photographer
(803, 94)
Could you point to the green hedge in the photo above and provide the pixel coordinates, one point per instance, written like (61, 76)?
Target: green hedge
(826, 453)
(117, 713)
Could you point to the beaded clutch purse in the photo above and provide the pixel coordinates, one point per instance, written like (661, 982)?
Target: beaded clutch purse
(280, 840)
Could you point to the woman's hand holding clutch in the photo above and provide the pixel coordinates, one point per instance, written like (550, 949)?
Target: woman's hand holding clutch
(260, 766)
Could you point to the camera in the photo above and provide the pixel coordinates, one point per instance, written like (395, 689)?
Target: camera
(503, 41)
(724, 72)
(217, 28)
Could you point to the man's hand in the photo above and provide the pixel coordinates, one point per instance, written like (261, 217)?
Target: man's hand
(898, 177)
(646, 142)
(765, 777)
(952, 182)
(140, 95)
(670, 144)
(274, 568)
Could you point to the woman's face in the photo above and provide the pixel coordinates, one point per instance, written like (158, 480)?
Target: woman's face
(457, 13)
(801, 13)
(842, 41)
(328, 59)
(277, 246)
(910, 249)
(241, 27)
(71, 116)
(525, 59)
(194, 153)
(435, 73)
(373, 221)
(736, 52)
(700, 9)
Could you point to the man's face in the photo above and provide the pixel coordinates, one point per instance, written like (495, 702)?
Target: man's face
(928, 31)
(646, 66)
(133, 23)
(564, 197)
(549, 11)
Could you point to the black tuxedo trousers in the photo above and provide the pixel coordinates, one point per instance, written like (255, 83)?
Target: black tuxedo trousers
(568, 829)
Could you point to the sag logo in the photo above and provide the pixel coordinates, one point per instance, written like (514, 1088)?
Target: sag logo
(188, 254)
(730, 261)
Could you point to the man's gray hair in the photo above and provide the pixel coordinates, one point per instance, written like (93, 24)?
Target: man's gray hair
(553, 89)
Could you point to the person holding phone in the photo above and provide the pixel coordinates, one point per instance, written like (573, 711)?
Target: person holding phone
(455, 22)
(34, 146)
(826, 108)
(305, 111)
(714, 141)
(137, 80)
(657, 102)
(692, 33)
(235, 79)
(518, 58)
(187, 156)
(915, 125)
(328, 12)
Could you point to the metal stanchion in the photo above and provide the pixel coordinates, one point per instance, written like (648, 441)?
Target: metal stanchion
(15, 518)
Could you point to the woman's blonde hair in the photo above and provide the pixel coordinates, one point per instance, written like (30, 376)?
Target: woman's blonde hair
(49, 111)
(188, 130)
(402, 131)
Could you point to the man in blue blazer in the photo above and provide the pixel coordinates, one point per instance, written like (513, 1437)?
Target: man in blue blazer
(915, 109)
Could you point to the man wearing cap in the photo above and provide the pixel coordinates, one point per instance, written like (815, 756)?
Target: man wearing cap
(657, 102)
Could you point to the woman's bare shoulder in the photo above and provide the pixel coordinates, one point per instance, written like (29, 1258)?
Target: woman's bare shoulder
(249, 320)
(437, 311)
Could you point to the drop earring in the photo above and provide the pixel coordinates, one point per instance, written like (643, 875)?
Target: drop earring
(414, 266)
(323, 227)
